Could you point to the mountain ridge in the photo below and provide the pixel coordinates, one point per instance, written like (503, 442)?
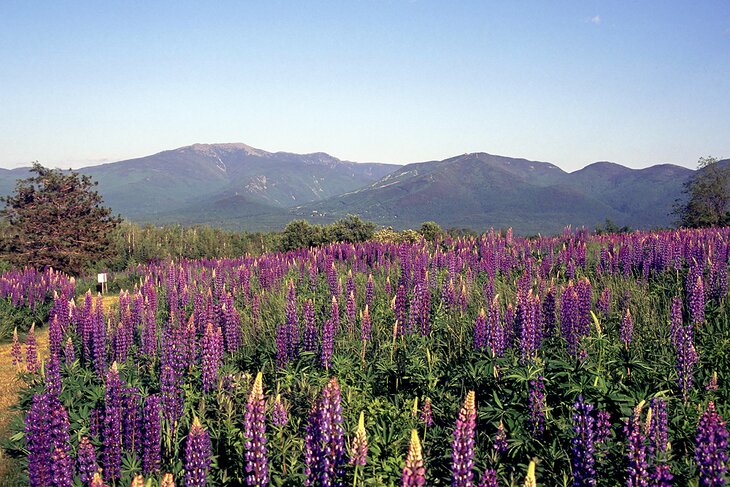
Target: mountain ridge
(240, 186)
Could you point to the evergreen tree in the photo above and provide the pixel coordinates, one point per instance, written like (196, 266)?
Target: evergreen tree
(56, 219)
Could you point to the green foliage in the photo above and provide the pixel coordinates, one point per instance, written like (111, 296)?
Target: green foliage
(611, 227)
(301, 234)
(349, 229)
(707, 196)
(56, 219)
(430, 230)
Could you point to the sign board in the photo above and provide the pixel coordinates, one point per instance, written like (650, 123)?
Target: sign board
(101, 278)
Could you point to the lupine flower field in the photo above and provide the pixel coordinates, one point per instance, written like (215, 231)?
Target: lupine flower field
(494, 361)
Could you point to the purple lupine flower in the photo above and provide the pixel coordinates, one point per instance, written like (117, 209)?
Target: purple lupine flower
(369, 290)
(311, 333)
(711, 455)
(282, 345)
(661, 476)
(604, 302)
(69, 352)
(584, 438)
(499, 444)
(603, 426)
(548, 310)
(131, 420)
(537, 406)
(38, 440)
(112, 452)
(279, 414)
(212, 354)
(637, 474)
(696, 295)
(254, 429)
(676, 319)
(172, 394)
(480, 330)
(328, 342)
(627, 329)
(350, 311)
(63, 467)
(658, 426)
(87, 460)
(52, 370)
(15, 351)
(360, 443)
(31, 351)
(401, 313)
(462, 451)
(365, 325)
(686, 357)
(496, 330)
(414, 471)
(335, 313)
(151, 434)
(489, 478)
(324, 440)
(426, 416)
(197, 455)
(570, 318)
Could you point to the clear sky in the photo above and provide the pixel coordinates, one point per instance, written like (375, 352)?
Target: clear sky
(569, 82)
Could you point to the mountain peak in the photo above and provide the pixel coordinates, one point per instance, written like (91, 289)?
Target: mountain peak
(216, 149)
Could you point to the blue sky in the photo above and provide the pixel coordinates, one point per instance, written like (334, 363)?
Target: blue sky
(569, 82)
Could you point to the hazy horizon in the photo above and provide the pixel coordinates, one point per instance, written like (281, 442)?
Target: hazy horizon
(393, 81)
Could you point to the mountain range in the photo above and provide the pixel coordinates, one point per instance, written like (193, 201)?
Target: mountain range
(240, 187)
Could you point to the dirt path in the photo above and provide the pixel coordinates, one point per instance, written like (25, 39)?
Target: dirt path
(9, 386)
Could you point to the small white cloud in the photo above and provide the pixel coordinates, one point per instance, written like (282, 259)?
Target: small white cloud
(596, 19)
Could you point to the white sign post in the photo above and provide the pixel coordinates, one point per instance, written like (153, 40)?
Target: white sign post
(101, 279)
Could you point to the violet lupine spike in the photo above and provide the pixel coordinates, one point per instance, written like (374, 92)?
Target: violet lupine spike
(369, 290)
(324, 440)
(658, 429)
(38, 440)
(282, 345)
(426, 416)
(696, 295)
(584, 438)
(711, 447)
(212, 353)
(131, 420)
(480, 330)
(499, 444)
(686, 359)
(496, 330)
(360, 443)
(462, 452)
(366, 325)
(112, 452)
(414, 471)
(335, 313)
(537, 406)
(311, 333)
(197, 455)
(279, 414)
(350, 311)
(86, 460)
(31, 351)
(637, 474)
(627, 329)
(401, 311)
(69, 353)
(603, 426)
(328, 342)
(151, 434)
(52, 371)
(172, 395)
(63, 467)
(489, 478)
(254, 429)
(15, 351)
